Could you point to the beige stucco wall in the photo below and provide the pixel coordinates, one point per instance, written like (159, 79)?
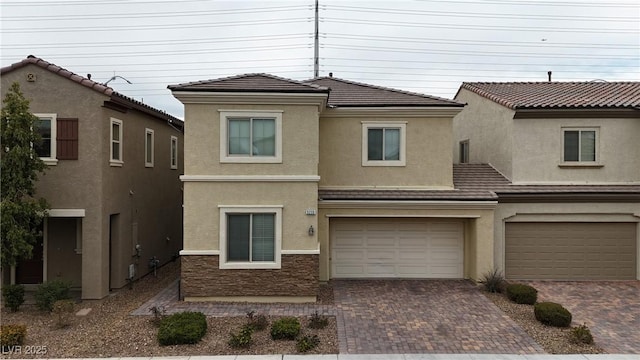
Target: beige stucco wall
(202, 214)
(488, 127)
(299, 141)
(561, 212)
(428, 161)
(478, 220)
(539, 152)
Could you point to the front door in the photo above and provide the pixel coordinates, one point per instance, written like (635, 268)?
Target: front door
(30, 271)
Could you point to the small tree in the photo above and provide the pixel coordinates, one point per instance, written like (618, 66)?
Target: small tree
(22, 212)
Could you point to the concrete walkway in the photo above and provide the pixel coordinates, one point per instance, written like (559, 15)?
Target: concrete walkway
(394, 357)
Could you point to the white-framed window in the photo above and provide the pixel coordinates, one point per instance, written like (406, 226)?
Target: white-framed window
(580, 145)
(250, 237)
(46, 127)
(174, 152)
(251, 136)
(464, 151)
(116, 142)
(384, 143)
(148, 147)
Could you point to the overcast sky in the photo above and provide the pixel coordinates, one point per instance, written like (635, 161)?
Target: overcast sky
(429, 46)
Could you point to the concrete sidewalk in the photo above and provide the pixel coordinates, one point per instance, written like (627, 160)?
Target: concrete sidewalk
(395, 357)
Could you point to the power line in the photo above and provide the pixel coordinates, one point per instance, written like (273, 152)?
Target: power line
(351, 60)
(539, 3)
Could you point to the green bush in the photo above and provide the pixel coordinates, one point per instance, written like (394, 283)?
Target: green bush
(285, 328)
(581, 335)
(13, 296)
(493, 281)
(50, 292)
(318, 321)
(242, 339)
(182, 328)
(522, 294)
(257, 322)
(63, 309)
(552, 314)
(306, 343)
(12, 335)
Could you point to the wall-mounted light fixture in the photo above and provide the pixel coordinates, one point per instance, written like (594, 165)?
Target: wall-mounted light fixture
(311, 230)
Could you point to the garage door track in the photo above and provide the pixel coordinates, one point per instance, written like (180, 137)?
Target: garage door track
(423, 316)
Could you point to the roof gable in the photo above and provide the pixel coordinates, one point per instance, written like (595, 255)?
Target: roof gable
(250, 83)
(559, 95)
(345, 93)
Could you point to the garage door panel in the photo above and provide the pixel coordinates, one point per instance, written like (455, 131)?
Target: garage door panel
(571, 251)
(404, 248)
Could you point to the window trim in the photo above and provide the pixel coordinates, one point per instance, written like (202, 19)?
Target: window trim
(173, 153)
(147, 132)
(595, 162)
(463, 149)
(116, 162)
(224, 139)
(253, 209)
(402, 125)
(53, 159)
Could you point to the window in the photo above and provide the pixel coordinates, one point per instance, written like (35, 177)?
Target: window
(580, 145)
(116, 142)
(464, 152)
(174, 152)
(251, 137)
(46, 127)
(250, 237)
(148, 148)
(383, 144)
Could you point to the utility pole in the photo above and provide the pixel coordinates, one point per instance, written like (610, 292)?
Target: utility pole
(316, 61)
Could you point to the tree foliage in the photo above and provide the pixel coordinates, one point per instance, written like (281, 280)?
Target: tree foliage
(22, 212)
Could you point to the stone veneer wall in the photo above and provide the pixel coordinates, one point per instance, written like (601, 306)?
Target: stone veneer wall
(201, 277)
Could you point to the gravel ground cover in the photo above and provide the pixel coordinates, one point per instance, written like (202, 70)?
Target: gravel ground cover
(109, 331)
(552, 339)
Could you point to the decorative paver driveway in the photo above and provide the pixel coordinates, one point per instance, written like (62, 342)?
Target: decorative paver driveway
(395, 316)
(611, 309)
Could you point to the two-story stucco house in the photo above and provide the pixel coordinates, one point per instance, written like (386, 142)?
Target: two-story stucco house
(112, 181)
(572, 154)
(289, 183)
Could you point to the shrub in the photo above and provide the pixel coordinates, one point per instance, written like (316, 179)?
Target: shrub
(552, 314)
(182, 328)
(242, 339)
(318, 321)
(63, 309)
(285, 328)
(522, 294)
(159, 313)
(257, 322)
(581, 335)
(12, 335)
(493, 281)
(307, 343)
(13, 296)
(50, 292)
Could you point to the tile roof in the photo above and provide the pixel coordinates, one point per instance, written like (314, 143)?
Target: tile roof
(559, 95)
(93, 85)
(345, 93)
(250, 83)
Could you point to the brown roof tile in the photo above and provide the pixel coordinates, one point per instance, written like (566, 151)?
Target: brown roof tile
(250, 83)
(559, 95)
(96, 86)
(346, 93)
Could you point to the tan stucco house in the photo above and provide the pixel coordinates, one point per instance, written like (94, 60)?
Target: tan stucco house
(289, 183)
(112, 181)
(570, 209)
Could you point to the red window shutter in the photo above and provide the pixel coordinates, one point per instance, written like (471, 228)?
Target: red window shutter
(67, 139)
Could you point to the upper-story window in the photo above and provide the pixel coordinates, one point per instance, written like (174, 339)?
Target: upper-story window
(383, 143)
(250, 136)
(46, 127)
(174, 152)
(148, 147)
(116, 142)
(464, 152)
(580, 145)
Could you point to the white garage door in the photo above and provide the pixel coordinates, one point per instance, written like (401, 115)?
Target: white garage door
(396, 248)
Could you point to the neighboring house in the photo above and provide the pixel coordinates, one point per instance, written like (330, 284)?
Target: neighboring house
(112, 181)
(290, 183)
(572, 153)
